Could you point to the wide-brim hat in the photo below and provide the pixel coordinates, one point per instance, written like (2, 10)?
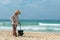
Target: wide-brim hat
(17, 12)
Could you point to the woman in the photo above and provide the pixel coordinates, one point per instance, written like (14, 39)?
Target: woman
(14, 19)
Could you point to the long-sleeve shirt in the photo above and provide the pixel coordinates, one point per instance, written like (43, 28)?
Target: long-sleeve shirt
(14, 19)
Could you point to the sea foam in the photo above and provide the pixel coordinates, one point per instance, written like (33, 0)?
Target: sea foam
(49, 24)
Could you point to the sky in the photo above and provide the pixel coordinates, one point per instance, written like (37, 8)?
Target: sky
(31, 9)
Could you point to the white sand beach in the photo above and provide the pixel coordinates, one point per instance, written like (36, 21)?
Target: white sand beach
(7, 35)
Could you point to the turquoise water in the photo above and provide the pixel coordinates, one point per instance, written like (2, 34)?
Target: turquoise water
(33, 25)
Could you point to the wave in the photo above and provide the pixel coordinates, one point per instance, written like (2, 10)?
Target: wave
(28, 28)
(24, 28)
(41, 26)
(49, 24)
(5, 23)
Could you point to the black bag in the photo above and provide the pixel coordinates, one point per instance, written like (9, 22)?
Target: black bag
(20, 32)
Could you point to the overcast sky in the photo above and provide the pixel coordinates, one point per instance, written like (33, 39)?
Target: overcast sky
(31, 9)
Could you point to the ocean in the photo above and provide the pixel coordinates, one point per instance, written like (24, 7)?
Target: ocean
(32, 25)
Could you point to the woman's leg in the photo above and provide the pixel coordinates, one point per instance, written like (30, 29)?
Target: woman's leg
(14, 30)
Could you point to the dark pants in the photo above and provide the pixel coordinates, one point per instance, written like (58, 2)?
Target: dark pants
(14, 29)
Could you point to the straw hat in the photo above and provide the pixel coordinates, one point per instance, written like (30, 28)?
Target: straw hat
(17, 12)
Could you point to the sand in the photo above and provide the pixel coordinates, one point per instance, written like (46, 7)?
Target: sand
(7, 35)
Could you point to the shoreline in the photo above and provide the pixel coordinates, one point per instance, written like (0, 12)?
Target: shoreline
(7, 35)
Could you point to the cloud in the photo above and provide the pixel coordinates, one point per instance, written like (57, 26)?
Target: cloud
(27, 3)
(11, 3)
(54, 5)
(35, 3)
(5, 1)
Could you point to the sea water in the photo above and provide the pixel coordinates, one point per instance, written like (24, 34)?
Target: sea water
(32, 25)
